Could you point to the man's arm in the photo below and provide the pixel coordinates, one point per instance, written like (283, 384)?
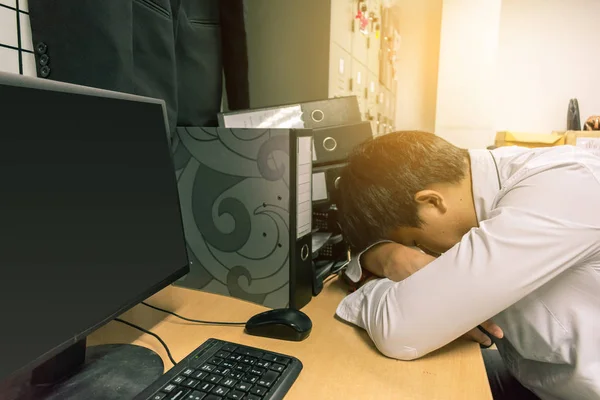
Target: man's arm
(494, 266)
(394, 261)
(397, 262)
(387, 259)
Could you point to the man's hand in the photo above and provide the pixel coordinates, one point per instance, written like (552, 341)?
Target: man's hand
(477, 336)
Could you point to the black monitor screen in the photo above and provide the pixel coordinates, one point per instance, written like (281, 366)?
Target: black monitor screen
(89, 216)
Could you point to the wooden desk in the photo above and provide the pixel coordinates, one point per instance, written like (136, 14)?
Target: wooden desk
(340, 361)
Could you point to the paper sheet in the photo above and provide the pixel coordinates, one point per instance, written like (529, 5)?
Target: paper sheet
(283, 117)
(304, 186)
(319, 186)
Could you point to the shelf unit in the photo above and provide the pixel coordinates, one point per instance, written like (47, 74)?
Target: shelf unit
(305, 50)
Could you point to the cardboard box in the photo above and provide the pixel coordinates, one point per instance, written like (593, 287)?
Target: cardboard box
(531, 140)
(582, 138)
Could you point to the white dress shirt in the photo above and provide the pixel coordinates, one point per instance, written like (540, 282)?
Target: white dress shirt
(532, 266)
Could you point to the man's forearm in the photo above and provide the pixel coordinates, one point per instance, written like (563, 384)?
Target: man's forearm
(394, 261)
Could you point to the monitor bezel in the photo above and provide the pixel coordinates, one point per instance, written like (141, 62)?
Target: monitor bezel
(16, 80)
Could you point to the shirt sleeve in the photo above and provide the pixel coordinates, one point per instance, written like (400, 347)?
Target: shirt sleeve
(495, 265)
(354, 269)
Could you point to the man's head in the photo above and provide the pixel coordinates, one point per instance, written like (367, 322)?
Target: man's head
(410, 187)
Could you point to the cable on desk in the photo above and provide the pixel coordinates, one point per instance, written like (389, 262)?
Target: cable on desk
(198, 321)
(149, 333)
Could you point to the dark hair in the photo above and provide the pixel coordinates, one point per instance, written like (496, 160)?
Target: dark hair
(376, 189)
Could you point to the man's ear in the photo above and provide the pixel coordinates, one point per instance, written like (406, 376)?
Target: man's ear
(430, 198)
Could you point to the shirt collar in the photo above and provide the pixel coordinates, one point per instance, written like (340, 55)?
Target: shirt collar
(485, 179)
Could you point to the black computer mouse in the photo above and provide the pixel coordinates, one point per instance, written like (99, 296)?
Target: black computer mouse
(280, 323)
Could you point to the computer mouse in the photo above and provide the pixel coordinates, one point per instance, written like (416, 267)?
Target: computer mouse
(280, 323)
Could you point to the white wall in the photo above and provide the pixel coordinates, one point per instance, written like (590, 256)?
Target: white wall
(9, 38)
(548, 53)
(514, 65)
(419, 23)
(465, 113)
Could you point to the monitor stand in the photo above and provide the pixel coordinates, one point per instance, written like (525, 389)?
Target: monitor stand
(107, 372)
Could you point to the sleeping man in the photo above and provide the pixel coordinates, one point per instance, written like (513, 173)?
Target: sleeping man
(451, 239)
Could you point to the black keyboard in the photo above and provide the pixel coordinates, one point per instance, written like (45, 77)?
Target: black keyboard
(219, 370)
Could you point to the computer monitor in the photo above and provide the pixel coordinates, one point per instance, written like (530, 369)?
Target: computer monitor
(90, 222)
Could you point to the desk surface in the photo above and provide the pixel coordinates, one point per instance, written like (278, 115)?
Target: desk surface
(340, 361)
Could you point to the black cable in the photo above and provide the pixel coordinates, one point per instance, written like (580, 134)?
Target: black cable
(198, 321)
(149, 333)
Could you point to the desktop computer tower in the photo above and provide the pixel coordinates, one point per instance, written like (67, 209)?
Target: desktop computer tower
(246, 204)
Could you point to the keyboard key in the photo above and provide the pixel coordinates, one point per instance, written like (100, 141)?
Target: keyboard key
(187, 372)
(243, 386)
(249, 360)
(213, 397)
(258, 390)
(242, 367)
(195, 395)
(283, 360)
(222, 371)
(256, 353)
(215, 360)
(229, 382)
(229, 347)
(270, 357)
(191, 383)
(236, 375)
(208, 367)
(178, 394)
(212, 378)
(235, 357)
(236, 395)
(169, 388)
(158, 396)
(199, 375)
(228, 364)
(220, 391)
(250, 378)
(278, 359)
(222, 354)
(249, 352)
(257, 371)
(268, 379)
(277, 367)
(252, 397)
(263, 364)
(178, 379)
(205, 387)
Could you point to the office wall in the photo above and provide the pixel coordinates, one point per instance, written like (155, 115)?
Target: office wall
(514, 65)
(548, 53)
(16, 49)
(465, 110)
(419, 25)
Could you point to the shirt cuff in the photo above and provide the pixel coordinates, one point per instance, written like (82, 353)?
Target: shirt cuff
(354, 269)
